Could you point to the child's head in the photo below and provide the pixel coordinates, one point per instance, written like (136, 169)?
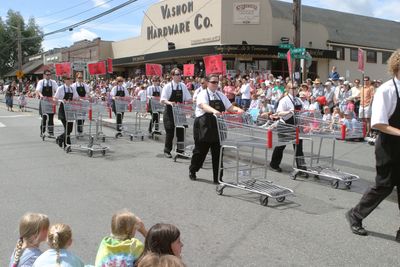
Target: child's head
(336, 110)
(157, 260)
(123, 225)
(59, 237)
(33, 228)
(163, 239)
(327, 110)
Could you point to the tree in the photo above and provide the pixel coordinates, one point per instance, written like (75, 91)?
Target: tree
(31, 40)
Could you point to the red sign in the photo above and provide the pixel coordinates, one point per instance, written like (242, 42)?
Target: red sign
(63, 69)
(109, 65)
(361, 60)
(290, 65)
(97, 68)
(188, 70)
(213, 64)
(153, 70)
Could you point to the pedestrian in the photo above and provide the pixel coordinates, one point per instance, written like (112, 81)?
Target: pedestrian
(83, 91)
(121, 248)
(209, 102)
(287, 107)
(10, 92)
(59, 240)
(162, 239)
(22, 101)
(173, 93)
(65, 93)
(154, 92)
(157, 260)
(118, 91)
(366, 100)
(46, 88)
(33, 229)
(386, 119)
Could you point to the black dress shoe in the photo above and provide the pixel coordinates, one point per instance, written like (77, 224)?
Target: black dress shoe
(192, 176)
(167, 155)
(182, 156)
(398, 236)
(277, 169)
(355, 224)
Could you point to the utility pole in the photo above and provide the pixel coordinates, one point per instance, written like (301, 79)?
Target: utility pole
(19, 48)
(297, 29)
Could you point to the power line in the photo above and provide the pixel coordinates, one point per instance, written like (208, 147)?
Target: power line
(77, 14)
(91, 18)
(65, 9)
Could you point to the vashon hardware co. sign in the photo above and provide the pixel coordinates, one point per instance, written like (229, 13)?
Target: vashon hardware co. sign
(198, 22)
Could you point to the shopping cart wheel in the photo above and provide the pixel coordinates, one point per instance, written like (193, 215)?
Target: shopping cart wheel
(335, 184)
(68, 149)
(348, 184)
(175, 157)
(294, 175)
(131, 137)
(263, 200)
(142, 138)
(118, 135)
(219, 189)
(280, 199)
(43, 137)
(103, 139)
(103, 152)
(90, 152)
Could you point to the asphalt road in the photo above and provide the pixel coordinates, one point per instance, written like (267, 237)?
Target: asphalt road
(308, 229)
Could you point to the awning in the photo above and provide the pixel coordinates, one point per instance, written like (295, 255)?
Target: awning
(27, 68)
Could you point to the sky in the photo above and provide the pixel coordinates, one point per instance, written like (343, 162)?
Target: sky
(125, 23)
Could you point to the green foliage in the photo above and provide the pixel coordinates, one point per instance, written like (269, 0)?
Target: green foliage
(31, 40)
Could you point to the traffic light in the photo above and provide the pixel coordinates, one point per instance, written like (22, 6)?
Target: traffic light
(171, 46)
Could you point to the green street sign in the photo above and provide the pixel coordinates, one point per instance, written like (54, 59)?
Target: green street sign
(300, 50)
(286, 46)
(281, 55)
(299, 56)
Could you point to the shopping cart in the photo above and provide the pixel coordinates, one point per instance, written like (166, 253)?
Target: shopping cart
(312, 128)
(96, 111)
(236, 133)
(76, 110)
(135, 129)
(48, 106)
(183, 115)
(122, 105)
(156, 108)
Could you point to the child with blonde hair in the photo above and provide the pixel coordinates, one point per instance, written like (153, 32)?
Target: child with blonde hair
(33, 229)
(121, 248)
(160, 260)
(59, 239)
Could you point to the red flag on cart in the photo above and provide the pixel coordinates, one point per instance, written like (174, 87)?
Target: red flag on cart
(97, 68)
(289, 62)
(188, 70)
(153, 70)
(361, 60)
(213, 64)
(109, 65)
(63, 69)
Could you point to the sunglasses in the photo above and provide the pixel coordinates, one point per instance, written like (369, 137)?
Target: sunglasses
(177, 74)
(47, 74)
(213, 82)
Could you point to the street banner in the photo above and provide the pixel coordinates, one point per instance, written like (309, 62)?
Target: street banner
(63, 69)
(290, 65)
(213, 64)
(98, 68)
(188, 70)
(153, 70)
(109, 65)
(361, 60)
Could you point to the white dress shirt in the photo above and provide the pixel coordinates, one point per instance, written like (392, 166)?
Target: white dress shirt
(118, 88)
(167, 91)
(60, 92)
(44, 82)
(78, 84)
(385, 101)
(202, 97)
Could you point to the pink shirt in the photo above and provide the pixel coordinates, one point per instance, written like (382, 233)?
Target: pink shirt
(229, 91)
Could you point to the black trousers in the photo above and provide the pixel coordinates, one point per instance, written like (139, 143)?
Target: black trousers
(119, 118)
(169, 137)
(155, 119)
(199, 155)
(277, 155)
(79, 124)
(50, 125)
(67, 130)
(375, 195)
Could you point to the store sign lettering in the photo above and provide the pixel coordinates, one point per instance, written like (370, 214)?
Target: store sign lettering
(199, 21)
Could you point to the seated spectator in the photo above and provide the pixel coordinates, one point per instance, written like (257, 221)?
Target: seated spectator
(162, 239)
(327, 114)
(255, 103)
(33, 228)
(157, 260)
(59, 239)
(349, 120)
(121, 248)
